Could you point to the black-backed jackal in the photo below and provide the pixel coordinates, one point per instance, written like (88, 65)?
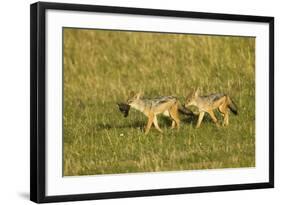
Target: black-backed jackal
(209, 103)
(167, 105)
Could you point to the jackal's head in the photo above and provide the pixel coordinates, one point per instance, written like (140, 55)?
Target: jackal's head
(133, 98)
(191, 98)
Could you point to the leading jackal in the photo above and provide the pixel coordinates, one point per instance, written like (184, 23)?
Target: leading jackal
(209, 103)
(167, 105)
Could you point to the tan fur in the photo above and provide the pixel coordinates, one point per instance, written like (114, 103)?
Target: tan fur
(207, 104)
(166, 105)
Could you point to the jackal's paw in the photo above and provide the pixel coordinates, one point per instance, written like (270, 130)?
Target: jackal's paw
(146, 131)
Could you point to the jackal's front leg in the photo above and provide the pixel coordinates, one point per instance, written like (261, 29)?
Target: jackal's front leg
(149, 123)
(155, 122)
(200, 118)
(212, 114)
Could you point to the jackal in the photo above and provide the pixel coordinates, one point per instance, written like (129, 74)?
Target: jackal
(209, 103)
(166, 105)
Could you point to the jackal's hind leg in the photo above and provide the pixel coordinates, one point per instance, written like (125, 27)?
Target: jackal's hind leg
(155, 122)
(175, 117)
(226, 119)
(223, 110)
(175, 121)
(200, 118)
(173, 124)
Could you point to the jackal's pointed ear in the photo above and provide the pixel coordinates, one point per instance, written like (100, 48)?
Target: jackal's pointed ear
(138, 95)
(132, 94)
(196, 93)
(189, 95)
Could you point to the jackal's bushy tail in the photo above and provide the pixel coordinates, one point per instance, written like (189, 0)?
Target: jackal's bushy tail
(232, 106)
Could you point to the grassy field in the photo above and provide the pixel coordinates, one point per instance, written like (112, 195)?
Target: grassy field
(102, 67)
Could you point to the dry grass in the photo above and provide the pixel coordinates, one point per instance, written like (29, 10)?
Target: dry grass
(102, 67)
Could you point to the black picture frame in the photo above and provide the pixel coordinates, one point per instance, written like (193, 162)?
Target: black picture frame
(38, 101)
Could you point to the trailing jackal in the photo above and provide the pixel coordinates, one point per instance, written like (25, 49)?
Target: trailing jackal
(166, 105)
(209, 103)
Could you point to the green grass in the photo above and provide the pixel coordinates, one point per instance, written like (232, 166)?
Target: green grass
(102, 67)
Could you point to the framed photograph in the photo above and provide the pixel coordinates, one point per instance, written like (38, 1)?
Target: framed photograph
(129, 102)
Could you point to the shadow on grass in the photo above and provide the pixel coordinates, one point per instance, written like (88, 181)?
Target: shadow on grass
(192, 119)
(162, 121)
(135, 124)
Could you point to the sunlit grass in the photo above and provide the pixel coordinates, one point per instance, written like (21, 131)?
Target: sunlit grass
(102, 67)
